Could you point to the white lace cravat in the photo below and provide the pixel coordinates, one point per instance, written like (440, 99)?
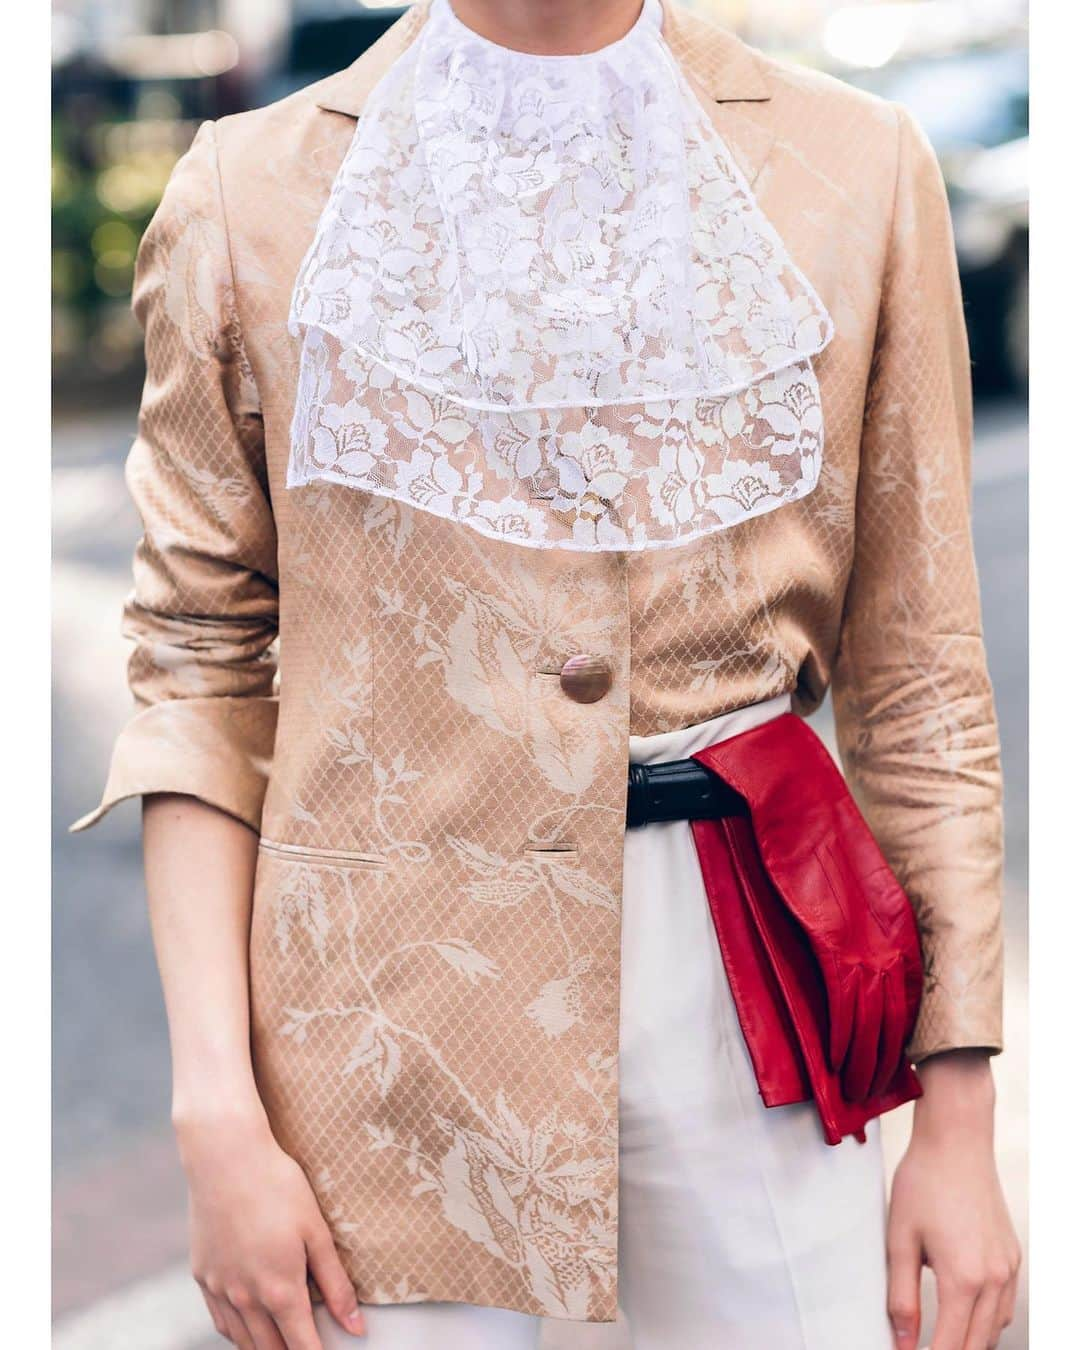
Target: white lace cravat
(542, 300)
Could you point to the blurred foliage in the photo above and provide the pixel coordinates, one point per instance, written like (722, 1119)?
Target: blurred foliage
(106, 181)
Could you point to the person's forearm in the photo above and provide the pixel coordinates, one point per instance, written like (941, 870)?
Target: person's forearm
(257, 1233)
(958, 1095)
(200, 869)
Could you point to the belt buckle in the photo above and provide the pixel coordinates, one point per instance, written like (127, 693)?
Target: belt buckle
(637, 796)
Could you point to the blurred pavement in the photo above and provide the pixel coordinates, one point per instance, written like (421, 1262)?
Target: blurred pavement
(120, 1279)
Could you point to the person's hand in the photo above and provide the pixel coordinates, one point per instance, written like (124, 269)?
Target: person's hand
(948, 1211)
(256, 1231)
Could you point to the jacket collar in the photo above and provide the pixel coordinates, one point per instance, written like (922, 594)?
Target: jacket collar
(724, 67)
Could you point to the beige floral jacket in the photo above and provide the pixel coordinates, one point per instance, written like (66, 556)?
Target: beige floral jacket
(435, 941)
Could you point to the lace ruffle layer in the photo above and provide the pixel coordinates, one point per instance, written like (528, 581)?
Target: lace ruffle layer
(543, 301)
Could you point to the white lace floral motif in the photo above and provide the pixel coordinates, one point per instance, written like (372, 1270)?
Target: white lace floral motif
(542, 300)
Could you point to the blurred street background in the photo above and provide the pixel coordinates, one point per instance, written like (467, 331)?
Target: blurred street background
(132, 80)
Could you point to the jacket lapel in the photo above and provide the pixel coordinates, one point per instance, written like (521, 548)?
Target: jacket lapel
(730, 79)
(727, 75)
(346, 91)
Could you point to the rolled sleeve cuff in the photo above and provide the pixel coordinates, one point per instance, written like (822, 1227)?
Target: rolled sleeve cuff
(216, 749)
(967, 1019)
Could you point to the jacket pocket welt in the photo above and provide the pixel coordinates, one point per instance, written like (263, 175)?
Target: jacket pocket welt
(324, 857)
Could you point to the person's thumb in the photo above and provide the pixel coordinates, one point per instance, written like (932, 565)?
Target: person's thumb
(334, 1284)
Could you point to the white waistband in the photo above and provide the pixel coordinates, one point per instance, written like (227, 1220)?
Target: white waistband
(685, 741)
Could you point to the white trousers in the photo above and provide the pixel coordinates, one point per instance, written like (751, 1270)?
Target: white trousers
(739, 1227)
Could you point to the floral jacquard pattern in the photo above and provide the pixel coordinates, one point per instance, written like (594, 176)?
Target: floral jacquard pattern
(535, 1195)
(536, 1199)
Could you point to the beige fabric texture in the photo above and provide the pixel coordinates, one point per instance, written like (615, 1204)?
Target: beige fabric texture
(435, 942)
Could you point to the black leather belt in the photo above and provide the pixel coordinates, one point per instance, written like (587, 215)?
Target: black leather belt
(680, 789)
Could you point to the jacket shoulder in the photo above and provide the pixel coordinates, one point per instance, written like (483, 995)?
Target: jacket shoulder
(340, 95)
(814, 101)
(840, 142)
(859, 139)
(833, 131)
(273, 126)
(280, 158)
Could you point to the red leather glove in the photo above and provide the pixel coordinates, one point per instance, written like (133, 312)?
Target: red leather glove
(828, 869)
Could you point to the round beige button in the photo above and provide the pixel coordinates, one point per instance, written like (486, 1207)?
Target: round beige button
(585, 679)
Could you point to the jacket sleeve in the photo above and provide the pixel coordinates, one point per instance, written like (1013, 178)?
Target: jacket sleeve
(203, 611)
(915, 716)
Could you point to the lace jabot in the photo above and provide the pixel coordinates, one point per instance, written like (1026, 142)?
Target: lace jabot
(542, 300)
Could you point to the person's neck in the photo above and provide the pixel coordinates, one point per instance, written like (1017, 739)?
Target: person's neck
(549, 27)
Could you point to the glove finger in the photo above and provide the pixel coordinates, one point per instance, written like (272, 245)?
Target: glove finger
(862, 1059)
(912, 989)
(841, 993)
(893, 1026)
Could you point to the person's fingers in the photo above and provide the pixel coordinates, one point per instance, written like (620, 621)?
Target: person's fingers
(956, 1301)
(891, 1047)
(262, 1329)
(296, 1322)
(217, 1316)
(234, 1327)
(862, 1058)
(333, 1281)
(905, 1273)
(1007, 1306)
(267, 1334)
(985, 1325)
